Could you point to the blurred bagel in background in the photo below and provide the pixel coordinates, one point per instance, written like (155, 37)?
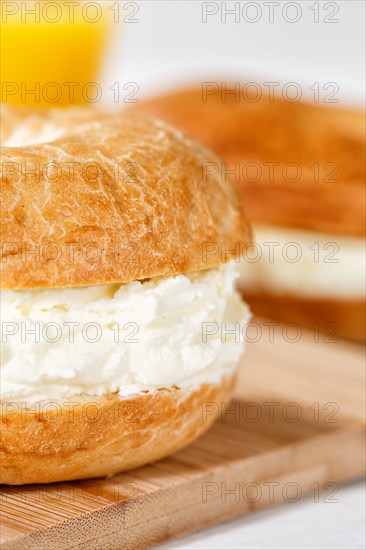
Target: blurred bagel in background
(301, 169)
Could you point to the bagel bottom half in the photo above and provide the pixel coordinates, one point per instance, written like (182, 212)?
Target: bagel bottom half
(88, 437)
(328, 319)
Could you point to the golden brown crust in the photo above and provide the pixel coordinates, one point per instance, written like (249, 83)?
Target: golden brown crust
(327, 145)
(333, 319)
(124, 198)
(99, 436)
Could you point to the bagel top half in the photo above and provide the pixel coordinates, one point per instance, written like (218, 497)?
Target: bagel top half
(296, 164)
(110, 199)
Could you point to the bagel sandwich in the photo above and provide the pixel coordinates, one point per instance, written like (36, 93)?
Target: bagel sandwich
(120, 314)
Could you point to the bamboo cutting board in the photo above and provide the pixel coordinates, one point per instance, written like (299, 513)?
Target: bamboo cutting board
(295, 428)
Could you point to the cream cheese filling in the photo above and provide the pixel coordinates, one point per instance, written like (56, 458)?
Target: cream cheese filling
(305, 263)
(176, 331)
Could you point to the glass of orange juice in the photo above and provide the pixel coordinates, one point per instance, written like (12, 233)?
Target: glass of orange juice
(52, 51)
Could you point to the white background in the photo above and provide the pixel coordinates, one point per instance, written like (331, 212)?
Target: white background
(169, 46)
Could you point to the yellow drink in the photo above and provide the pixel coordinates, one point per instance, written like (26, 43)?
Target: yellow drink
(51, 52)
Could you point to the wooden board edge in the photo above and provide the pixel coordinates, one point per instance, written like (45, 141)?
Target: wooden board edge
(331, 458)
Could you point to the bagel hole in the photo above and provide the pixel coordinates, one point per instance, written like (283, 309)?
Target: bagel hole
(24, 136)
